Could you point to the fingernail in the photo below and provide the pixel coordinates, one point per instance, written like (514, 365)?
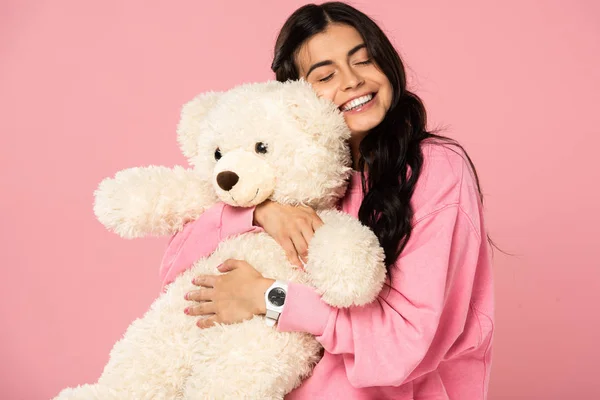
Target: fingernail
(187, 295)
(187, 310)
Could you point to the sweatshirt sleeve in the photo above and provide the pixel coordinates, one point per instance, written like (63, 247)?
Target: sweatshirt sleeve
(236, 220)
(201, 237)
(391, 340)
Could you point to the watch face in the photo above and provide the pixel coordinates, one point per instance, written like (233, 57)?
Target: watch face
(277, 297)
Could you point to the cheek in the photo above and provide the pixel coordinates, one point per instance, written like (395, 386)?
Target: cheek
(326, 93)
(387, 92)
(388, 97)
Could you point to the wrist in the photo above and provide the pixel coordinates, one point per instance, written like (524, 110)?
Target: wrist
(257, 216)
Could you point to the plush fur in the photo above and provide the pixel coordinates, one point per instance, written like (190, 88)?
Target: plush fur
(164, 355)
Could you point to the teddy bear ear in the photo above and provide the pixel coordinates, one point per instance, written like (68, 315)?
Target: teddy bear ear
(316, 116)
(192, 114)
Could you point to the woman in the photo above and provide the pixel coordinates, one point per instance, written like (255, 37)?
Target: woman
(429, 333)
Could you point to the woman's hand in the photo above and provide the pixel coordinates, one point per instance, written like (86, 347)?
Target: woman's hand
(236, 296)
(291, 226)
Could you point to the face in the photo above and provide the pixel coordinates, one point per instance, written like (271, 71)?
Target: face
(338, 66)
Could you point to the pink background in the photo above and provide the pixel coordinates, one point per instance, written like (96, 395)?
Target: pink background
(86, 90)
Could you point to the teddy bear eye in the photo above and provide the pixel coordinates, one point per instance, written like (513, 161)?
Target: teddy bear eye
(218, 154)
(260, 148)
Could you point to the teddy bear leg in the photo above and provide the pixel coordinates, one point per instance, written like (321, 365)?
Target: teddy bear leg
(88, 392)
(153, 359)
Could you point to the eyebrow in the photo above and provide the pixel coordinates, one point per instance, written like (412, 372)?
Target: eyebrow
(329, 62)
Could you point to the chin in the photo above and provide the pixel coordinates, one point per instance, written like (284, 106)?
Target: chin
(362, 127)
(363, 123)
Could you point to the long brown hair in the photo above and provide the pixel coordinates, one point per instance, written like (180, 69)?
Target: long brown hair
(391, 149)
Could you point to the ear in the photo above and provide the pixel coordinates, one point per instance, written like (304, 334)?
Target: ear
(318, 117)
(192, 114)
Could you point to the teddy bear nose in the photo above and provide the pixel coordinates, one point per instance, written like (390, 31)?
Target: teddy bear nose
(227, 180)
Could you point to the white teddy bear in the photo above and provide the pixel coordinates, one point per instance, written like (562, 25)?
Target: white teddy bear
(258, 141)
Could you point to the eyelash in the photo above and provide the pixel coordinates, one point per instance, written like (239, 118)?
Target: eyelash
(328, 77)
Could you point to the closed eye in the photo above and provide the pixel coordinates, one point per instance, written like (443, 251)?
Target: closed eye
(327, 78)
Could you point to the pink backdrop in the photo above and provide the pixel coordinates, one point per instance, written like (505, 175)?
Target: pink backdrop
(86, 90)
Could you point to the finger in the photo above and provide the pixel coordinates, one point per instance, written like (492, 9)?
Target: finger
(290, 252)
(300, 245)
(206, 308)
(205, 294)
(229, 265)
(316, 221)
(207, 322)
(205, 280)
(307, 234)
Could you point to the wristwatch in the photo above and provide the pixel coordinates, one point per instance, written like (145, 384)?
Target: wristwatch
(275, 300)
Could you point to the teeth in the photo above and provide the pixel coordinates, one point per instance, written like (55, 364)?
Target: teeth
(357, 102)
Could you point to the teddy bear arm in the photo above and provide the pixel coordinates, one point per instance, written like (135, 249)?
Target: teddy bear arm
(151, 200)
(345, 261)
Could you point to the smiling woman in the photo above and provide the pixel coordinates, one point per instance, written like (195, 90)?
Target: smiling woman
(425, 336)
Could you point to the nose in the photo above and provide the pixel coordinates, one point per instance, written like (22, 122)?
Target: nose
(351, 79)
(227, 179)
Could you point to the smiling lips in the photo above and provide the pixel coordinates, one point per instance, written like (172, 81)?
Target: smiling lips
(356, 102)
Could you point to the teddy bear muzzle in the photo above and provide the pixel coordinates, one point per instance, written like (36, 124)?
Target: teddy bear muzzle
(243, 179)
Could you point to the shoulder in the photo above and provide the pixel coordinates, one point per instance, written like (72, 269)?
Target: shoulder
(446, 179)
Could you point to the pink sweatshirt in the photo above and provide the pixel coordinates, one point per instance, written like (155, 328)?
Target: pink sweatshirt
(429, 334)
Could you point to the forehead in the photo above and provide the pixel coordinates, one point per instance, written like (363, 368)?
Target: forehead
(332, 44)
